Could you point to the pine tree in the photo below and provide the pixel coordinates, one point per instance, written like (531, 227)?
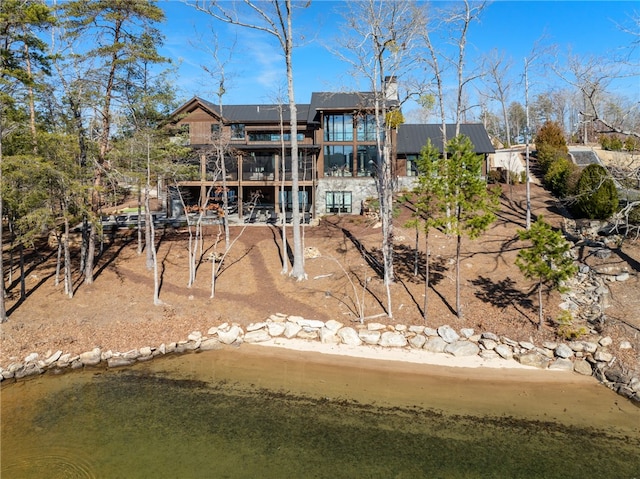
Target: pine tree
(547, 260)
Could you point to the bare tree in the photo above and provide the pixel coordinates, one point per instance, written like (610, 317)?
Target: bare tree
(378, 44)
(274, 18)
(499, 86)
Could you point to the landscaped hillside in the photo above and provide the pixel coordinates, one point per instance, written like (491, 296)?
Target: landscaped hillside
(117, 312)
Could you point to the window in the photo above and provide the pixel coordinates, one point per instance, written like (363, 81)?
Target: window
(338, 160)
(215, 131)
(338, 127)
(412, 165)
(367, 128)
(338, 202)
(237, 131)
(265, 136)
(367, 160)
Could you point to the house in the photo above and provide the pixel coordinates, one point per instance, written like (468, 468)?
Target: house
(336, 148)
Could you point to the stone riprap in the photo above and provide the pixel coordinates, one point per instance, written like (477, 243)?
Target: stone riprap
(582, 357)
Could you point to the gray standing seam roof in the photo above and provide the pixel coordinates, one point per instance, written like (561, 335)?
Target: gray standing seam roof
(411, 138)
(264, 113)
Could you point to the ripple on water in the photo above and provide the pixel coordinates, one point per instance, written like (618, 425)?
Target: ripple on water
(57, 463)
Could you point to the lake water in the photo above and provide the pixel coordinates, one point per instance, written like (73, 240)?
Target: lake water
(258, 412)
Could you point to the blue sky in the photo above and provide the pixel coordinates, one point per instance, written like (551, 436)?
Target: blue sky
(255, 71)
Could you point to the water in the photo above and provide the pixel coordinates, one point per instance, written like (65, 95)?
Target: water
(265, 413)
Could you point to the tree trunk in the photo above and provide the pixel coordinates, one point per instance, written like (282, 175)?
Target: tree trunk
(149, 228)
(426, 277)
(68, 285)
(23, 286)
(139, 222)
(91, 249)
(458, 250)
(540, 314)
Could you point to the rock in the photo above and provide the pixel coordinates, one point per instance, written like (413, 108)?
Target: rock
(576, 346)
(53, 358)
(133, 354)
(533, 359)
(145, 351)
(210, 344)
(462, 348)
(291, 330)
(563, 351)
(276, 329)
(369, 337)
(31, 358)
(194, 336)
(488, 354)
(509, 342)
(308, 334)
(467, 332)
(603, 356)
(212, 331)
(257, 336)
(526, 345)
(416, 329)
(491, 336)
(256, 326)
(589, 347)
(549, 345)
(504, 351)
(622, 276)
(562, 364)
(417, 341)
(333, 325)
(118, 362)
(308, 323)
(435, 344)
(488, 344)
(376, 326)
(582, 366)
(605, 341)
(401, 328)
(230, 336)
(90, 358)
(448, 334)
(625, 345)
(349, 336)
(430, 332)
(328, 336)
(390, 339)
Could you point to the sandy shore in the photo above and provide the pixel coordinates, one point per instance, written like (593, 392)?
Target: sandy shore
(395, 354)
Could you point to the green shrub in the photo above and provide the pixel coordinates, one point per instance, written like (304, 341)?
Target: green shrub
(615, 144)
(566, 329)
(605, 142)
(631, 144)
(494, 176)
(597, 196)
(558, 177)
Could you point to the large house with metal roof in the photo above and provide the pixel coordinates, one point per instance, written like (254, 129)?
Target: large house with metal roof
(336, 149)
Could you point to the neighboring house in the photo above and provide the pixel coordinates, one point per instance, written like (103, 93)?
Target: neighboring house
(337, 151)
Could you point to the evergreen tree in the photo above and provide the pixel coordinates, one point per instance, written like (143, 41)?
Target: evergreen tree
(462, 196)
(596, 193)
(547, 260)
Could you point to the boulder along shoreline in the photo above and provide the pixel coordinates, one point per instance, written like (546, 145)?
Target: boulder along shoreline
(464, 348)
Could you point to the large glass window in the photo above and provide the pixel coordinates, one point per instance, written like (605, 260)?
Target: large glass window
(338, 202)
(366, 128)
(338, 160)
(266, 136)
(338, 127)
(367, 160)
(258, 166)
(237, 131)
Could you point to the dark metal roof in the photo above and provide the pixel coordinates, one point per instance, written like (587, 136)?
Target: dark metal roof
(263, 113)
(411, 138)
(323, 101)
